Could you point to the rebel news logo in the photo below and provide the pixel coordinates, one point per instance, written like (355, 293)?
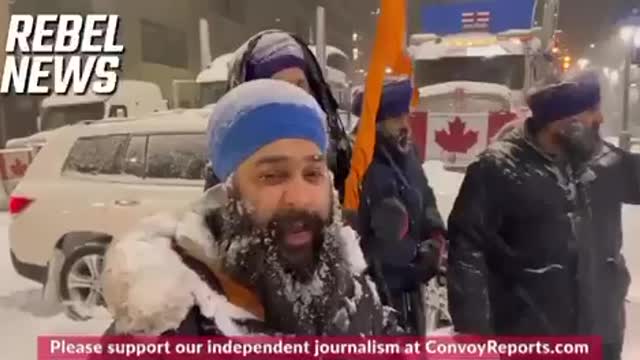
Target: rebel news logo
(69, 52)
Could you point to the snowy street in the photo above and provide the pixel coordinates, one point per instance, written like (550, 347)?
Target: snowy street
(24, 316)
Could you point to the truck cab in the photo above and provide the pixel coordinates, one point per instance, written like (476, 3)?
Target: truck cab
(473, 70)
(212, 81)
(131, 99)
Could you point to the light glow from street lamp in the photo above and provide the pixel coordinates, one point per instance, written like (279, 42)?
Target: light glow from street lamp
(583, 63)
(614, 77)
(356, 53)
(626, 33)
(355, 36)
(636, 39)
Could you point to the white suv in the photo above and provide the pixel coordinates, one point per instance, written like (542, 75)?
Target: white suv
(90, 184)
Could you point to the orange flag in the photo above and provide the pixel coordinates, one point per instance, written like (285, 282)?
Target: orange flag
(388, 51)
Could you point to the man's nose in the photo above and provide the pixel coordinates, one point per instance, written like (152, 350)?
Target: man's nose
(296, 193)
(600, 119)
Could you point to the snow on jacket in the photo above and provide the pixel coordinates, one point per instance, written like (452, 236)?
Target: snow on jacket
(533, 246)
(339, 156)
(150, 289)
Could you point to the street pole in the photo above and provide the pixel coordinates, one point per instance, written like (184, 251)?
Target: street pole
(205, 44)
(625, 133)
(321, 40)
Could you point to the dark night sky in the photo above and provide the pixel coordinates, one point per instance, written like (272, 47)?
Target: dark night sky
(588, 21)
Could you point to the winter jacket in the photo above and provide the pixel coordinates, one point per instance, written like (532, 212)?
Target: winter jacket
(617, 182)
(162, 279)
(339, 156)
(535, 246)
(395, 177)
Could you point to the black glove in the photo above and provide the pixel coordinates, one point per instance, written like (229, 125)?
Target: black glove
(429, 259)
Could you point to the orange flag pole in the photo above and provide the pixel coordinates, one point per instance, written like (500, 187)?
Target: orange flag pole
(388, 50)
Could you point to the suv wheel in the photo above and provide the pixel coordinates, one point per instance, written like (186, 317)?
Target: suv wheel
(80, 281)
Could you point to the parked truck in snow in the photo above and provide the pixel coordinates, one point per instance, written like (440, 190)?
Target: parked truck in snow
(473, 67)
(131, 99)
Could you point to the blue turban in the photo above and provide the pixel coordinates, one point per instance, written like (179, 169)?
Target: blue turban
(573, 96)
(274, 52)
(257, 113)
(395, 101)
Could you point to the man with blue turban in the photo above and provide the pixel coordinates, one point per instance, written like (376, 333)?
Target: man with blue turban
(535, 233)
(398, 219)
(263, 252)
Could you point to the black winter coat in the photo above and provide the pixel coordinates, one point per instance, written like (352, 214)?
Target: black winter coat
(397, 177)
(535, 246)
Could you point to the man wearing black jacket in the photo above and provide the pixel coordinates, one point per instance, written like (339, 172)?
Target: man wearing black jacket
(535, 233)
(401, 228)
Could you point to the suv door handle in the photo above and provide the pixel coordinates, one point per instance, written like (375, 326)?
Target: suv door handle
(126, 202)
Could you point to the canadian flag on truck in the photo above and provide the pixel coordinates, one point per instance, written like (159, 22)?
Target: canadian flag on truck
(456, 137)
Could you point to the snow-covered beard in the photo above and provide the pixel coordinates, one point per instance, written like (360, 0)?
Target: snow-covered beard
(296, 300)
(580, 142)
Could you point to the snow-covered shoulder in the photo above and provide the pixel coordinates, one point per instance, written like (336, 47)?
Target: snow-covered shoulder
(141, 278)
(502, 151)
(147, 287)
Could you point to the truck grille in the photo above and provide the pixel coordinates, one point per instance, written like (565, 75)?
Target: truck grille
(470, 103)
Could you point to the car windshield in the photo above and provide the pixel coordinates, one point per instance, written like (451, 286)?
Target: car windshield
(211, 92)
(58, 116)
(503, 70)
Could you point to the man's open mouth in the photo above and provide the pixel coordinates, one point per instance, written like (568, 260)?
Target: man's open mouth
(298, 235)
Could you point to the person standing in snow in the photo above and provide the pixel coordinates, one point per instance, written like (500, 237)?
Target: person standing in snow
(283, 56)
(535, 233)
(264, 251)
(401, 227)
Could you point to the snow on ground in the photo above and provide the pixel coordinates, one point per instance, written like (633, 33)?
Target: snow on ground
(24, 316)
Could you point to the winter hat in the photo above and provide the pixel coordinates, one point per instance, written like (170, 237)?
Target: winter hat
(395, 101)
(257, 113)
(274, 52)
(573, 96)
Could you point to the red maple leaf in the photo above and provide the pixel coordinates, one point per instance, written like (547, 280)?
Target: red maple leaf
(18, 168)
(457, 139)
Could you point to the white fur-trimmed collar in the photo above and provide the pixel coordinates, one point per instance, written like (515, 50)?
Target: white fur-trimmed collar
(149, 290)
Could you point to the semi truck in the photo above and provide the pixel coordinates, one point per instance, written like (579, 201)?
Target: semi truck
(473, 66)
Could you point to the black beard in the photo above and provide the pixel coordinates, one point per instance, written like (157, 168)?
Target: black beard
(297, 294)
(400, 142)
(580, 143)
(403, 141)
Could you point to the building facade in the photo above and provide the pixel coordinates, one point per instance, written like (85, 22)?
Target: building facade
(162, 41)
